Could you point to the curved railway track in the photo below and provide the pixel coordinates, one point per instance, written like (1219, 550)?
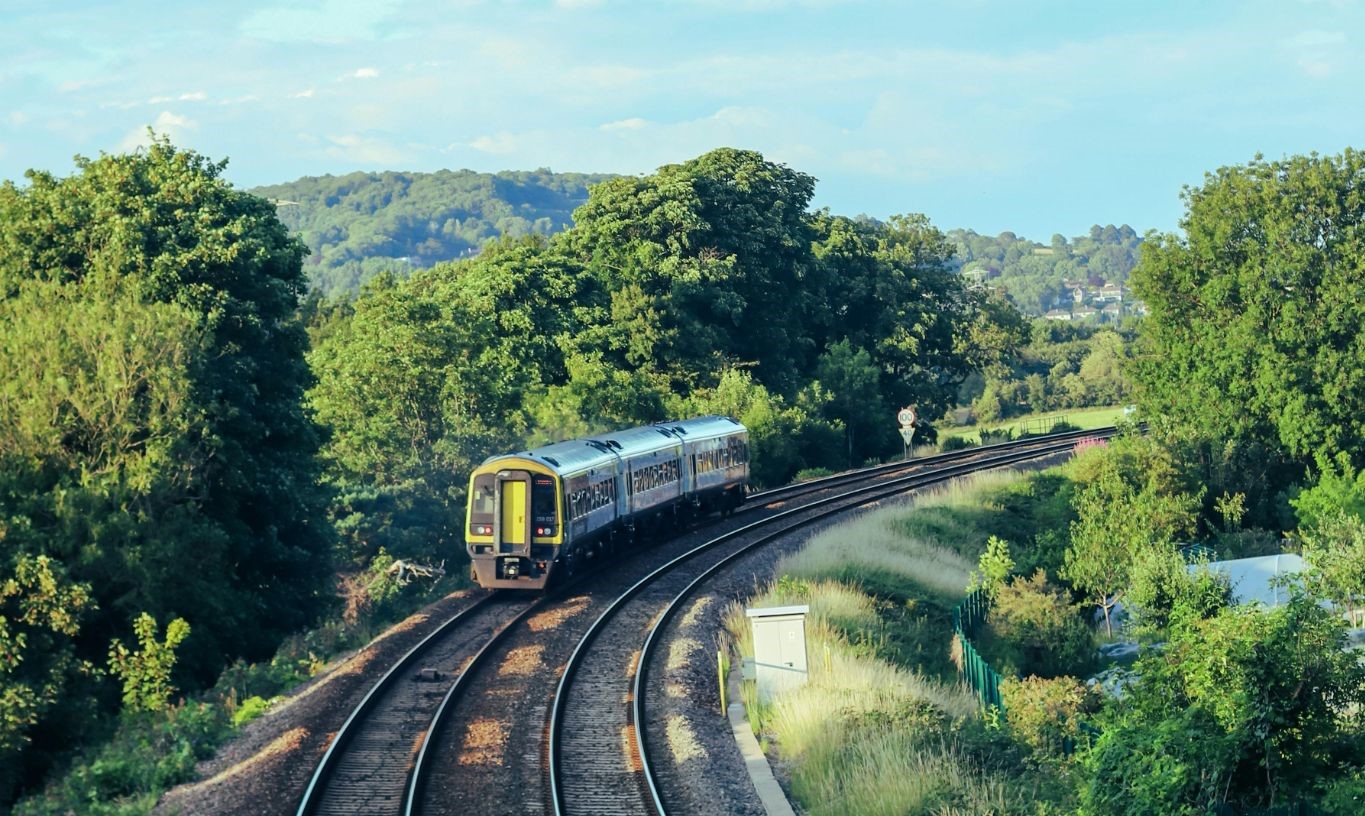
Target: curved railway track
(599, 744)
(399, 750)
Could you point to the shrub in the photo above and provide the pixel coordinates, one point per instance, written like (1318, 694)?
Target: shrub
(1044, 714)
(1040, 629)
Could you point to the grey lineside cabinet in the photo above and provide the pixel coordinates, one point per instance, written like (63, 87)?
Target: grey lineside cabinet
(779, 648)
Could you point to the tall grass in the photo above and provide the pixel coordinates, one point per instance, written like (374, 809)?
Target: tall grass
(864, 735)
(882, 726)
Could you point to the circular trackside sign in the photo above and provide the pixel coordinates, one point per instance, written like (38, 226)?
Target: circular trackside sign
(906, 417)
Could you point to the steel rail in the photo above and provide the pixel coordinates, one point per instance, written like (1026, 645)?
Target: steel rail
(876, 492)
(756, 500)
(312, 795)
(418, 775)
(1030, 450)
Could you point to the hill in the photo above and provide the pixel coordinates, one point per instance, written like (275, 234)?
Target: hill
(1035, 275)
(360, 224)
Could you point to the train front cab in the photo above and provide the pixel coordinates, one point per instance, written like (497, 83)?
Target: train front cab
(513, 527)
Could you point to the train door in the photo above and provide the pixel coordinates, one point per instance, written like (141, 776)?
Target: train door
(514, 516)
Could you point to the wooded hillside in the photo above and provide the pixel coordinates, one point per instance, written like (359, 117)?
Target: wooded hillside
(360, 224)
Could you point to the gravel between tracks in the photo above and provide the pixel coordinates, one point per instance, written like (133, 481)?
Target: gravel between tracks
(264, 769)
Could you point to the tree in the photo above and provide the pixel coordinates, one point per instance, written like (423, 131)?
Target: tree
(146, 671)
(1130, 503)
(1334, 550)
(706, 262)
(855, 395)
(152, 437)
(41, 612)
(1248, 708)
(1253, 333)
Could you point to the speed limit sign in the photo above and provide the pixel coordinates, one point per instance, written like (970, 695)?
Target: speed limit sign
(906, 417)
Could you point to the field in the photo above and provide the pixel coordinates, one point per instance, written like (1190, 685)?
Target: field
(1085, 418)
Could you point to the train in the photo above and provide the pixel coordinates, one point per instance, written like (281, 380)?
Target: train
(554, 509)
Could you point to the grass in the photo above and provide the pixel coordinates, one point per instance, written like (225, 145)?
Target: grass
(1083, 418)
(883, 726)
(864, 735)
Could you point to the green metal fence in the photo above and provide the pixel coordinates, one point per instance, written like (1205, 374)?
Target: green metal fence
(984, 680)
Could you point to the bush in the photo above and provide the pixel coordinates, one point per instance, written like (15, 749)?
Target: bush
(1037, 630)
(953, 443)
(1045, 714)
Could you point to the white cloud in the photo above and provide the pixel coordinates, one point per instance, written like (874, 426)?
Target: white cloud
(365, 73)
(159, 100)
(367, 150)
(1315, 67)
(633, 123)
(1315, 38)
(193, 96)
(500, 143)
(17, 118)
(304, 94)
(166, 124)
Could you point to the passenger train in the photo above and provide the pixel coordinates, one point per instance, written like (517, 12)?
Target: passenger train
(550, 510)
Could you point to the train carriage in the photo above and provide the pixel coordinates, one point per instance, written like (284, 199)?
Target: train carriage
(552, 508)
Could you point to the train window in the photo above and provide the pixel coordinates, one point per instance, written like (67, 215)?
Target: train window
(543, 497)
(481, 502)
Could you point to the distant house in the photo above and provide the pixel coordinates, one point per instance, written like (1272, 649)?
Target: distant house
(1083, 312)
(1112, 311)
(1109, 293)
(1058, 314)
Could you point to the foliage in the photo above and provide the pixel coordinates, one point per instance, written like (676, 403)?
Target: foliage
(1269, 694)
(152, 440)
(1338, 488)
(993, 567)
(1131, 501)
(148, 753)
(361, 225)
(146, 672)
(1037, 630)
(1161, 587)
(40, 613)
(1253, 337)
(1334, 551)
(1046, 714)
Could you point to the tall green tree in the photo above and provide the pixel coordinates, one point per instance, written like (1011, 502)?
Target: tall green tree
(1254, 333)
(706, 263)
(427, 377)
(154, 444)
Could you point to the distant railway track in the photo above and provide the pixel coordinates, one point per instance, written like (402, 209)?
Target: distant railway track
(473, 734)
(607, 669)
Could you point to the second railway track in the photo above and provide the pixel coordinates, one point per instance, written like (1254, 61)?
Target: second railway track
(479, 733)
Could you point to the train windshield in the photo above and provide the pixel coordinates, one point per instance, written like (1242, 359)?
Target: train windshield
(543, 500)
(481, 501)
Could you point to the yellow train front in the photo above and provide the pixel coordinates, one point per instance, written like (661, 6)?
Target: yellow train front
(553, 509)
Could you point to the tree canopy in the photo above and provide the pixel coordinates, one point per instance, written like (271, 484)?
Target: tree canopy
(1254, 332)
(154, 453)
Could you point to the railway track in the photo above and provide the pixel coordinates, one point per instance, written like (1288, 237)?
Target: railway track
(366, 768)
(600, 746)
(459, 724)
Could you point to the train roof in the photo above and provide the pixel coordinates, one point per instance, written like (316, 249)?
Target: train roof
(636, 441)
(705, 427)
(602, 450)
(569, 456)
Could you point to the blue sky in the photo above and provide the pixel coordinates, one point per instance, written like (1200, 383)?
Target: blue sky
(1036, 117)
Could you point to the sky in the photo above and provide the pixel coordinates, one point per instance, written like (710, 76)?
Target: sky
(1037, 117)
